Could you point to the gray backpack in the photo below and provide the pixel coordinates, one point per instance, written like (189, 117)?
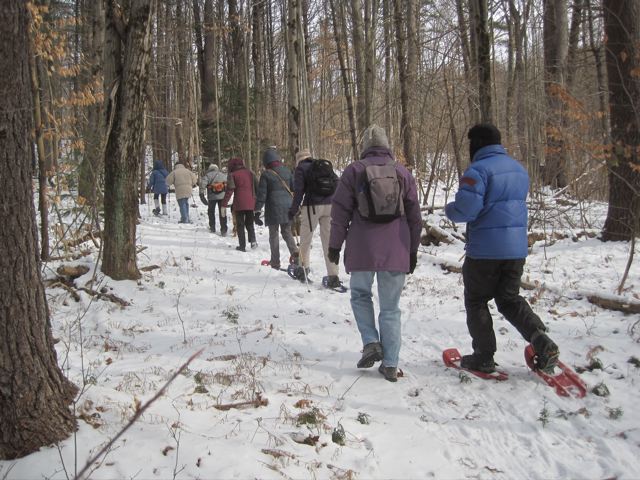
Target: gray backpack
(380, 193)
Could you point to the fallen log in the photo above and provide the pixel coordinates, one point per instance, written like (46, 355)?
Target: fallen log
(608, 303)
(258, 402)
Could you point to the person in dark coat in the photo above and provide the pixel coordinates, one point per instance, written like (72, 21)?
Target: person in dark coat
(382, 251)
(274, 194)
(158, 186)
(241, 183)
(491, 199)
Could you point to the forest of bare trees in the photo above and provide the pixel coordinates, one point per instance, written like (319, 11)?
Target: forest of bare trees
(114, 84)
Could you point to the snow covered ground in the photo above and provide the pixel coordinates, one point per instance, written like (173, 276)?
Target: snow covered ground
(268, 339)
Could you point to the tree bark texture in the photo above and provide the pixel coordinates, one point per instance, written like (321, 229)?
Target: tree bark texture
(556, 45)
(34, 394)
(479, 19)
(93, 129)
(293, 77)
(405, 121)
(622, 31)
(125, 140)
(344, 74)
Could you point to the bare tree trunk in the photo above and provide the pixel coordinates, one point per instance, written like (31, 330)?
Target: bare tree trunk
(386, 13)
(468, 59)
(293, 79)
(357, 32)
(339, 39)
(34, 394)
(127, 95)
(555, 57)
(622, 31)
(479, 20)
(519, 19)
(574, 36)
(603, 91)
(43, 187)
(405, 120)
(93, 131)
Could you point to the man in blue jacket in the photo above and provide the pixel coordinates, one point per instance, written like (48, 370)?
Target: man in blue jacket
(491, 199)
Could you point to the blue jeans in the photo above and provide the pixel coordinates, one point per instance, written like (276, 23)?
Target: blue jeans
(389, 289)
(183, 203)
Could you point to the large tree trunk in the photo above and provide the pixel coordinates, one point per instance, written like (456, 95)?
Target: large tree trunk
(293, 78)
(403, 72)
(556, 46)
(340, 38)
(127, 95)
(34, 394)
(622, 31)
(93, 128)
(479, 20)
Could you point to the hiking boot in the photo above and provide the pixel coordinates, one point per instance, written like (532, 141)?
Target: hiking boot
(254, 244)
(547, 352)
(333, 282)
(275, 266)
(480, 362)
(302, 273)
(371, 353)
(156, 211)
(240, 249)
(390, 373)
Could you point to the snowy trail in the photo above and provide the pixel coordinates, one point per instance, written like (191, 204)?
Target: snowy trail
(297, 346)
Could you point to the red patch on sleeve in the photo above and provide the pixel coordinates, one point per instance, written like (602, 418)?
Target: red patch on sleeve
(467, 181)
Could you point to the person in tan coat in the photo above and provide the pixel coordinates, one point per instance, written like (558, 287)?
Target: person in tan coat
(184, 180)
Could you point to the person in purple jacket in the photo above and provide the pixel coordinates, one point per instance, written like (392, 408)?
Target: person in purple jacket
(384, 251)
(491, 199)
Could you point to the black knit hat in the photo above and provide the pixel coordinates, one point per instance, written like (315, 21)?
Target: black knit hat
(481, 135)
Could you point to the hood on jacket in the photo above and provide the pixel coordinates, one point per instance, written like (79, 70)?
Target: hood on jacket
(270, 155)
(213, 168)
(158, 165)
(235, 164)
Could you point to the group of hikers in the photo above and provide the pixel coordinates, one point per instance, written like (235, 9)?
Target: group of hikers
(373, 211)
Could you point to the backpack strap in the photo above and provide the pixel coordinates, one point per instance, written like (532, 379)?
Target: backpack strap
(284, 184)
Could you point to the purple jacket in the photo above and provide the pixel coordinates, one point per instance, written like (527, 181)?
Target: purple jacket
(373, 247)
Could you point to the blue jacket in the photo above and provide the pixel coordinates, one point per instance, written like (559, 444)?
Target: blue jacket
(491, 199)
(157, 182)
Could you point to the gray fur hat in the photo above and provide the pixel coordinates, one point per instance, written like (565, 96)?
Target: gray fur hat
(374, 136)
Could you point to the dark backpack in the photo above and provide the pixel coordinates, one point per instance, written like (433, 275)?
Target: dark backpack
(380, 193)
(320, 179)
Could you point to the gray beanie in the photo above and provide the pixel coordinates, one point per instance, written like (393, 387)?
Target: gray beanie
(374, 136)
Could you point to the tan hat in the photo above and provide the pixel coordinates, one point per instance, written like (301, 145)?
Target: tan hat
(302, 155)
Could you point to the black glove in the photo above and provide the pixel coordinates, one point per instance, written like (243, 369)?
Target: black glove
(203, 197)
(333, 254)
(256, 219)
(413, 261)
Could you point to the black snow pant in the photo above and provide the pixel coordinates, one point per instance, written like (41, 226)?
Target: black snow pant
(214, 205)
(244, 219)
(499, 280)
